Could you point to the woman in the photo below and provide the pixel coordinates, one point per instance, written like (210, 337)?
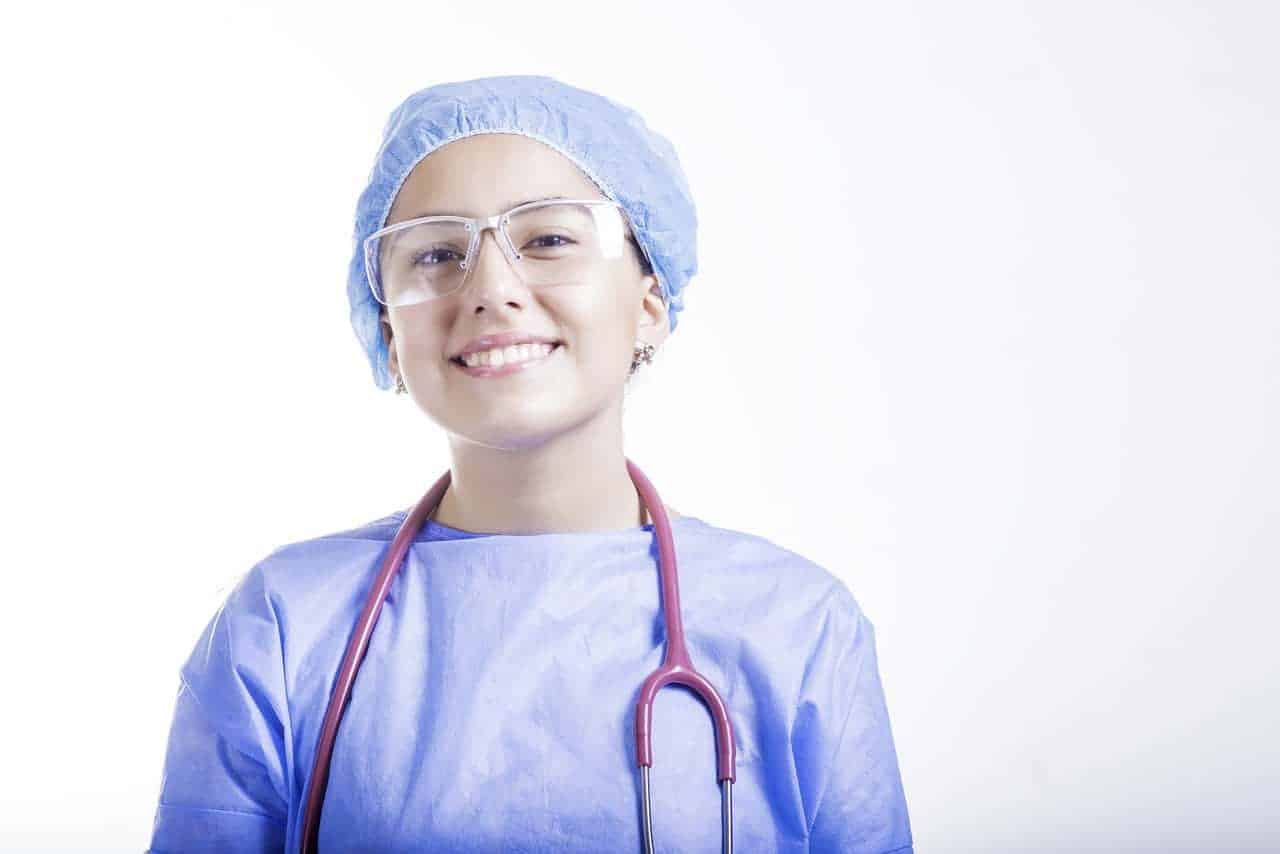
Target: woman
(494, 709)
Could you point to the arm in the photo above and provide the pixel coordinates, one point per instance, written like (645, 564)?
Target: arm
(223, 787)
(861, 806)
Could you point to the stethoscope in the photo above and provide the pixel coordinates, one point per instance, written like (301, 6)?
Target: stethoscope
(675, 668)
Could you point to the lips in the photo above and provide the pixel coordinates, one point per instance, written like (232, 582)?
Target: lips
(459, 360)
(508, 368)
(502, 340)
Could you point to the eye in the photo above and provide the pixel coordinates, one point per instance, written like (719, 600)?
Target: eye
(543, 242)
(433, 256)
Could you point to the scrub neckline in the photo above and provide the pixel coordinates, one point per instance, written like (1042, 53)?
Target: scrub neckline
(433, 530)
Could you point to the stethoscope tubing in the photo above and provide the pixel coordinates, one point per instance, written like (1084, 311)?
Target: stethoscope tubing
(676, 668)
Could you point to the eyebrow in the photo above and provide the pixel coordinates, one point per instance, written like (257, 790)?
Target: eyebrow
(507, 208)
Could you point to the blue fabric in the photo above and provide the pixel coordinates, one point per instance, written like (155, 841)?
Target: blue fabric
(631, 164)
(495, 708)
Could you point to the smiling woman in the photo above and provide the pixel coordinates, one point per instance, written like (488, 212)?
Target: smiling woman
(578, 288)
(522, 246)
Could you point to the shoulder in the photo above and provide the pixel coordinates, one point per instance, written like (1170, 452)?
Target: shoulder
(285, 603)
(325, 559)
(307, 580)
(758, 566)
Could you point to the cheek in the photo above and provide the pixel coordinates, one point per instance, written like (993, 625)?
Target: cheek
(603, 357)
(602, 309)
(419, 352)
(602, 324)
(417, 339)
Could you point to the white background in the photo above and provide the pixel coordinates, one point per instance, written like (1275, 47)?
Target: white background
(987, 322)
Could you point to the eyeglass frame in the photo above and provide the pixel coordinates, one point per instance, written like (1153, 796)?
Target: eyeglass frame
(478, 225)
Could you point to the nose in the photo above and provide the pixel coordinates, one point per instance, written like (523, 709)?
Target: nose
(492, 275)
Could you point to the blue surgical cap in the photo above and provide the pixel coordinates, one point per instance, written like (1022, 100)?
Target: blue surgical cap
(631, 164)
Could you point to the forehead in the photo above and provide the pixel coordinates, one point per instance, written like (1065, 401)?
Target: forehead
(487, 173)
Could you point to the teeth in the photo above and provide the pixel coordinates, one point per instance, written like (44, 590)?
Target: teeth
(498, 357)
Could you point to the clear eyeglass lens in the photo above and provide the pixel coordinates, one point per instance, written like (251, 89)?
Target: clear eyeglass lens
(556, 244)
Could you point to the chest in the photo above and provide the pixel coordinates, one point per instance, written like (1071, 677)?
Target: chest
(526, 743)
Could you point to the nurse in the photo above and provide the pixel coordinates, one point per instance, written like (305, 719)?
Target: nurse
(521, 249)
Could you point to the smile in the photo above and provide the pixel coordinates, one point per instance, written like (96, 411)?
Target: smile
(490, 364)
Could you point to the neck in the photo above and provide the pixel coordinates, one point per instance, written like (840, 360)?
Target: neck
(576, 481)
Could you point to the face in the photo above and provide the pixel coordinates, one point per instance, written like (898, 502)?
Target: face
(598, 321)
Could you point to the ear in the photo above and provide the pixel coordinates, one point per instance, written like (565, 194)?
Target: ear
(653, 325)
(388, 336)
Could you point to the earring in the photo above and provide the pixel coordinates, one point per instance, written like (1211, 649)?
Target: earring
(400, 389)
(643, 354)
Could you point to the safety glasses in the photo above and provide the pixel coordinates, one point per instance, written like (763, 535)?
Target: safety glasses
(549, 242)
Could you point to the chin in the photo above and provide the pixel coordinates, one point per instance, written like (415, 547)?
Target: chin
(510, 427)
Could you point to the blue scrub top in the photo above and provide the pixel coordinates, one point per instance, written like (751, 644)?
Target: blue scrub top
(495, 708)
